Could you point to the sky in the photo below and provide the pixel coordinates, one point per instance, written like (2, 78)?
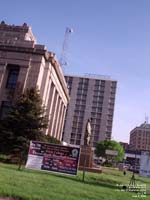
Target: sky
(111, 37)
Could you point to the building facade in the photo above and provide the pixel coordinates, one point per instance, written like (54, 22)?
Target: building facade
(26, 64)
(125, 145)
(90, 98)
(140, 137)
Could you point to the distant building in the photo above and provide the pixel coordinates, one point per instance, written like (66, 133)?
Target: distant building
(125, 145)
(140, 137)
(25, 64)
(91, 97)
(132, 158)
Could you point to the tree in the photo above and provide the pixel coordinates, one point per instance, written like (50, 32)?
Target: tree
(50, 139)
(102, 146)
(25, 121)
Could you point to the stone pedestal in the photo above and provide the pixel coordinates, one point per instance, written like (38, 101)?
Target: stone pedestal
(86, 157)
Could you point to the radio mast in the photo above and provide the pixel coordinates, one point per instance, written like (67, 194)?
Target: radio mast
(63, 57)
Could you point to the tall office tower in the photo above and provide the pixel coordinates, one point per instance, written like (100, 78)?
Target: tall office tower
(26, 64)
(90, 97)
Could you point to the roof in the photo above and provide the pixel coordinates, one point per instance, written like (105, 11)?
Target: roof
(93, 76)
(145, 125)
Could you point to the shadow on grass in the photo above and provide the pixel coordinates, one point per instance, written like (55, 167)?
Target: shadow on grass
(88, 179)
(9, 166)
(112, 174)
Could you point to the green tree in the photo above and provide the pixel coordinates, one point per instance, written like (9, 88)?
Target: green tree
(102, 146)
(50, 139)
(26, 121)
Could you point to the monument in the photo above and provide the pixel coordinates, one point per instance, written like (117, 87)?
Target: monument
(86, 156)
(87, 153)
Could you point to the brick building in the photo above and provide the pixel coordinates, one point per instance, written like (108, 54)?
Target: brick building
(140, 137)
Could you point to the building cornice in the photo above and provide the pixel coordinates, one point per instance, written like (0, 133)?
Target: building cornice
(49, 57)
(52, 59)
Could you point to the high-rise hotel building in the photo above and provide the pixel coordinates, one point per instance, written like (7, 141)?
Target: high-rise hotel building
(90, 97)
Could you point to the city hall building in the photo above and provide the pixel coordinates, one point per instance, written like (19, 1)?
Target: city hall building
(26, 64)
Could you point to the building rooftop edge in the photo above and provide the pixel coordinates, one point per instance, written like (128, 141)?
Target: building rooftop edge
(92, 76)
(143, 126)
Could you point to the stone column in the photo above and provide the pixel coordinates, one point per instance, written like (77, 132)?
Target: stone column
(62, 123)
(47, 95)
(57, 118)
(50, 104)
(51, 114)
(60, 120)
(3, 77)
(55, 110)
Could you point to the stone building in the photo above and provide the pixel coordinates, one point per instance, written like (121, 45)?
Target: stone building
(24, 64)
(91, 97)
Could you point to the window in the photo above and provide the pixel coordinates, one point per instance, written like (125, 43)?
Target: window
(102, 88)
(93, 114)
(78, 136)
(73, 135)
(74, 124)
(97, 82)
(96, 138)
(109, 128)
(96, 87)
(72, 141)
(5, 108)
(81, 81)
(77, 142)
(13, 71)
(73, 130)
(114, 84)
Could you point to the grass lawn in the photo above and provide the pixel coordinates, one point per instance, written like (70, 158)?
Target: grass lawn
(38, 185)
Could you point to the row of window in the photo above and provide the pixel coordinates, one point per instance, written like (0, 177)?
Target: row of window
(73, 141)
(75, 136)
(100, 82)
(76, 130)
(83, 81)
(97, 109)
(99, 87)
(81, 98)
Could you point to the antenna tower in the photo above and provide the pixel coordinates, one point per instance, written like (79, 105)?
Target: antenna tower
(63, 58)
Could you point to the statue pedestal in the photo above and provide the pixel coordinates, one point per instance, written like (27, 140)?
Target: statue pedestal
(86, 157)
(86, 160)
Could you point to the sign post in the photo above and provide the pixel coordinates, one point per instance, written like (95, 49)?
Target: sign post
(111, 152)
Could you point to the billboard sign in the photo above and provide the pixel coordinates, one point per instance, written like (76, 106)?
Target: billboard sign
(52, 157)
(111, 152)
(145, 164)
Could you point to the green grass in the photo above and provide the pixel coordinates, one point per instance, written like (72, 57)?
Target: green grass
(38, 185)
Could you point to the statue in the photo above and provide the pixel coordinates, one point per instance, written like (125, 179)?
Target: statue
(88, 132)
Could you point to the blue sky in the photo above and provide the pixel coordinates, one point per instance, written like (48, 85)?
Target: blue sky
(111, 37)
